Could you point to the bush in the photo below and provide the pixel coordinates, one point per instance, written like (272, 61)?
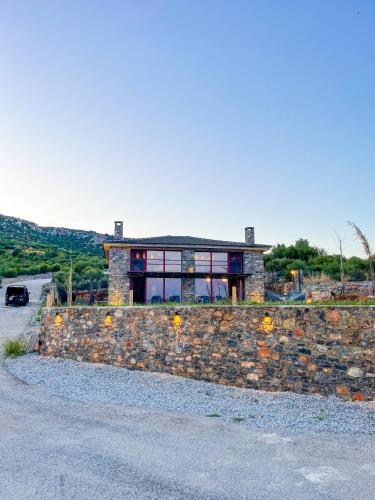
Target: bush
(44, 268)
(14, 348)
(9, 272)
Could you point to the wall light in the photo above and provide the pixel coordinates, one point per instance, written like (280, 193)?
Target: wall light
(107, 320)
(176, 320)
(58, 319)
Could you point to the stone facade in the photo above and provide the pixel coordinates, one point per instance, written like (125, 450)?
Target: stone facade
(119, 281)
(187, 282)
(254, 285)
(324, 350)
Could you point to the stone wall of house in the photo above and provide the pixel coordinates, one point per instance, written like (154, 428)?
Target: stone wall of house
(326, 350)
(118, 279)
(254, 285)
(188, 282)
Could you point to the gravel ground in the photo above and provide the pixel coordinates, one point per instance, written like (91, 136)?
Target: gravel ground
(256, 409)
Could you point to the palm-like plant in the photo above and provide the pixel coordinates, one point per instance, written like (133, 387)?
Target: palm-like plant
(368, 251)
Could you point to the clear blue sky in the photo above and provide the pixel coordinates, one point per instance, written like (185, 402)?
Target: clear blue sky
(190, 117)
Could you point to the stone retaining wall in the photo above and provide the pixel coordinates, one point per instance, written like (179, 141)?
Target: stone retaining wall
(326, 350)
(326, 291)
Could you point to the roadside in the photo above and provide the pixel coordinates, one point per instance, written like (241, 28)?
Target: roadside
(52, 447)
(16, 321)
(267, 411)
(28, 278)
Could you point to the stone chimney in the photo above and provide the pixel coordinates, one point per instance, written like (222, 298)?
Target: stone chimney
(249, 235)
(119, 230)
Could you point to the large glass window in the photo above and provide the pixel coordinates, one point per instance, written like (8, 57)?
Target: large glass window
(211, 290)
(203, 262)
(154, 290)
(163, 289)
(203, 290)
(138, 260)
(219, 262)
(220, 289)
(172, 290)
(155, 260)
(172, 261)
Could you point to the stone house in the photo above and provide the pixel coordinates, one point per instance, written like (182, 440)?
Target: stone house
(183, 268)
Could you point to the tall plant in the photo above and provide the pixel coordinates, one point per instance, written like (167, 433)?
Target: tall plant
(368, 251)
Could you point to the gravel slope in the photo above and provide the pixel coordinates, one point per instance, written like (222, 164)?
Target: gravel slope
(255, 409)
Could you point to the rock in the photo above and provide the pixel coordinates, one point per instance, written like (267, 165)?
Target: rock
(355, 372)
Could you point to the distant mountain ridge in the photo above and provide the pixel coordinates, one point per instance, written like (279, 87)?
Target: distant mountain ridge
(68, 239)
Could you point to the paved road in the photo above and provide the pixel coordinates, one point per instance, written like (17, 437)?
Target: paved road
(52, 448)
(14, 320)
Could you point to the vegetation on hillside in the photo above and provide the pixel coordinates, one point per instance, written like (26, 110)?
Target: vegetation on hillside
(17, 258)
(311, 259)
(29, 249)
(68, 239)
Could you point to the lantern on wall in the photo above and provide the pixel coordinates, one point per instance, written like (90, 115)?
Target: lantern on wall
(107, 320)
(58, 319)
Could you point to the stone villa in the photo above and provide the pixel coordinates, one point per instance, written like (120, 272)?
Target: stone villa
(183, 268)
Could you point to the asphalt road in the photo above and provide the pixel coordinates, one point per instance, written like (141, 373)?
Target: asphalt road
(52, 448)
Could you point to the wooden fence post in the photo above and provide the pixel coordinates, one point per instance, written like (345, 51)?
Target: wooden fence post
(234, 295)
(130, 297)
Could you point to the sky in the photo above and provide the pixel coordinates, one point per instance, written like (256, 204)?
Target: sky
(190, 117)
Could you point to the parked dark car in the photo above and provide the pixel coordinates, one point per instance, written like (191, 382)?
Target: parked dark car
(16, 295)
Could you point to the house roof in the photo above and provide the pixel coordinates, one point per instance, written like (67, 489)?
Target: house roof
(185, 241)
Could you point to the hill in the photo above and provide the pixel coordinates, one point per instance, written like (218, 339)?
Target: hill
(28, 249)
(67, 239)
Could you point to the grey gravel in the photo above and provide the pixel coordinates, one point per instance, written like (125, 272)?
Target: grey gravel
(80, 381)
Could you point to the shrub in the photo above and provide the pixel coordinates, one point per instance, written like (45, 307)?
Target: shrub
(44, 268)
(9, 272)
(14, 348)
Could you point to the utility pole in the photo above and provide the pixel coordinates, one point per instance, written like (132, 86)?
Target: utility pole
(342, 272)
(70, 280)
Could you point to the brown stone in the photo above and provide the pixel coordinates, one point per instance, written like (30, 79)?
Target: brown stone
(342, 390)
(264, 352)
(304, 359)
(246, 364)
(298, 332)
(358, 396)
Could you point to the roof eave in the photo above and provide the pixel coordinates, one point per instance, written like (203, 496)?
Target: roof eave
(255, 248)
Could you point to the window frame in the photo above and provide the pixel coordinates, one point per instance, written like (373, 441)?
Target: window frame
(164, 264)
(210, 263)
(163, 288)
(210, 286)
